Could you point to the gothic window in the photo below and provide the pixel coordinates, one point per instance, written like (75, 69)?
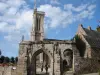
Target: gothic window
(68, 56)
(39, 23)
(67, 52)
(36, 23)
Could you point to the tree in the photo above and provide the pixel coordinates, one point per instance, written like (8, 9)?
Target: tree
(7, 59)
(80, 44)
(12, 60)
(0, 52)
(2, 59)
(16, 59)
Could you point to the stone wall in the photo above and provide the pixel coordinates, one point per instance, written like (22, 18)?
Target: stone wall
(95, 52)
(7, 70)
(84, 66)
(91, 74)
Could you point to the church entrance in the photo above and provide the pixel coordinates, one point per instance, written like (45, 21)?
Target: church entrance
(41, 63)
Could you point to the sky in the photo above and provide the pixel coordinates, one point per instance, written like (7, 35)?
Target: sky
(61, 21)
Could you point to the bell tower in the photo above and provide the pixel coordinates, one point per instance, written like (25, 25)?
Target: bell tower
(37, 32)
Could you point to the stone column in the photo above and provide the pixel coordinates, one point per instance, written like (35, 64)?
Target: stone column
(57, 65)
(75, 57)
(25, 66)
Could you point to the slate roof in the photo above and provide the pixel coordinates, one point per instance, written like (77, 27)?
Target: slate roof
(93, 37)
(92, 33)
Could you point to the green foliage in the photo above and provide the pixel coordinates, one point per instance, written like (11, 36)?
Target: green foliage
(16, 59)
(0, 52)
(99, 71)
(77, 37)
(12, 60)
(2, 59)
(80, 45)
(7, 60)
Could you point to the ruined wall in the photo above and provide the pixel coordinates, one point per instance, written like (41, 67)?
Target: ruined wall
(95, 52)
(7, 70)
(85, 66)
(22, 63)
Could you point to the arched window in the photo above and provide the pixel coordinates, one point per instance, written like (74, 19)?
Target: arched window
(68, 59)
(67, 52)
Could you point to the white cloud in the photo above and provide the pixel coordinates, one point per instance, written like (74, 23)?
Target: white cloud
(16, 17)
(24, 20)
(3, 6)
(58, 17)
(54, 2)
(73, 8)
(91, 7)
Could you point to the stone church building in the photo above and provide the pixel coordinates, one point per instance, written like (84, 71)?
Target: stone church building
(40, 56)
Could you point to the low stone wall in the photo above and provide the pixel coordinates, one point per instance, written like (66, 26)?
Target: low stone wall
(7, 70)
(85, 66)
(91, 74)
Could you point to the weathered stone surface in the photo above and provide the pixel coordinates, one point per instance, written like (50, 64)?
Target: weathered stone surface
(7, 70)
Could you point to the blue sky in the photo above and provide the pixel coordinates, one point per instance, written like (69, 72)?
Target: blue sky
(62, 18)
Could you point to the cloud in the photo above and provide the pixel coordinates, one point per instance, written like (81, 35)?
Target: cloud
(73, 8)
(54, 2)
(57, 17)
(91, 7)
(18, 17)
(15, 19)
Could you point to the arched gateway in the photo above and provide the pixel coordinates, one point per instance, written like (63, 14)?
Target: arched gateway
(40, 56)
(41, 68)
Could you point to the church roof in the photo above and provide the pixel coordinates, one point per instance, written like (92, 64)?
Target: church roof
(46, 39)
(92, 33)
(59, 41)
(93, 37)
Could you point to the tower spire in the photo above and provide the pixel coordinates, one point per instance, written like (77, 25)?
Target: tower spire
(22, 38)
(37, 32)
(35, 5)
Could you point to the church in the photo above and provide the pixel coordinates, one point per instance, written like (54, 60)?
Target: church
(40, 56)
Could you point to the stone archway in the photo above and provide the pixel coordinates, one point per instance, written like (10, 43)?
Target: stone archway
(68, 60)
(34, 69)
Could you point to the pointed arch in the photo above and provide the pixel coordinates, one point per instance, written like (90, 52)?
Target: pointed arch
(33, 60)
